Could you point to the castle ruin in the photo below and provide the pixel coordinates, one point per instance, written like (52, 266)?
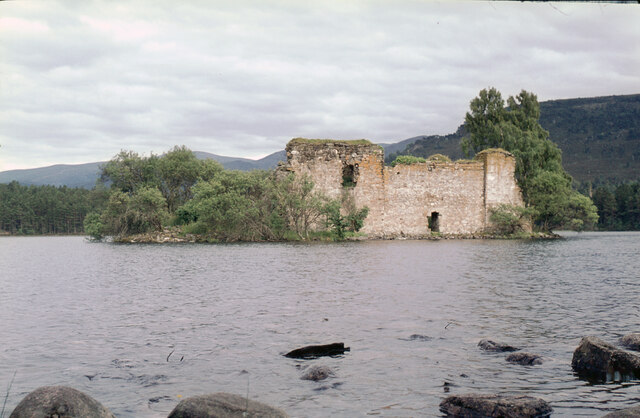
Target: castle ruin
(409, 200)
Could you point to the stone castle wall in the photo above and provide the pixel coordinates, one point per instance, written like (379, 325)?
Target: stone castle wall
(408, 200)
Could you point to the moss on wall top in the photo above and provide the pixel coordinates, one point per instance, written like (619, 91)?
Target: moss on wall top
(491, 151)
(439, 158)
(407, 160)
(330, 141)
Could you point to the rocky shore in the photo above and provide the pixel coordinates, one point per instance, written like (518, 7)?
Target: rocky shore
(177, 235)
(594, 360)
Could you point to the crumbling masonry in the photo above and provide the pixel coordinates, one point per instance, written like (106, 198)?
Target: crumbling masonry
(409, 200)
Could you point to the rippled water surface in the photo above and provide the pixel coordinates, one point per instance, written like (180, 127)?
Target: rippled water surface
(139, 327)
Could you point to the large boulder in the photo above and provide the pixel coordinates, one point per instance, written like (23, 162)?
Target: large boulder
(625, 413)
(60, 402)
(598, 361)
(224, 405)
(526, 359)
(476, 405)
(489, 345)
(631, 341)
(315, 351)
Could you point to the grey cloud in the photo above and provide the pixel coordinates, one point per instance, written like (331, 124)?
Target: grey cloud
(242, 78)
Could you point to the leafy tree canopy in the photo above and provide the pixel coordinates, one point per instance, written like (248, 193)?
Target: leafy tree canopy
(515, 127)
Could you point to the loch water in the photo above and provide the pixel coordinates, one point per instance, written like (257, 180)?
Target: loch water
(139, 327)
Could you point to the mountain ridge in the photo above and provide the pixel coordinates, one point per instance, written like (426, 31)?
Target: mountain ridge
(599, 137)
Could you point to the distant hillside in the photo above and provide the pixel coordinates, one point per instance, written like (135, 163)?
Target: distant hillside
(78, 175)
(85, 175)
(599, 137)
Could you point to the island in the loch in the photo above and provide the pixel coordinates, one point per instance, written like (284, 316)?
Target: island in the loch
(515, 186)
(333, 189)
(354, 195)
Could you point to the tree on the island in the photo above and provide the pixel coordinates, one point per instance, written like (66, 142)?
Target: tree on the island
(545, 185)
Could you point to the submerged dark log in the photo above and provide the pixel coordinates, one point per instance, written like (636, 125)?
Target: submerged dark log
(476, 405)
(313, 351)
(597, 361)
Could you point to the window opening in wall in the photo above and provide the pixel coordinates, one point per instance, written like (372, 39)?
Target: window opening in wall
(434, 222)
(349, 173)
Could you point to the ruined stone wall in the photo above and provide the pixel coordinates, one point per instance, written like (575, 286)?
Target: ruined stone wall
(499, 179)
(401, 199)
(453, 191)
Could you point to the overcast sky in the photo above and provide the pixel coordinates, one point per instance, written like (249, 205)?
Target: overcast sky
(81, 80)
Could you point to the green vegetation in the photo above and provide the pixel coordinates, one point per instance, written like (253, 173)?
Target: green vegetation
(407, 160)
(439, 158)
(148, 194)
(27, 210)
(330, 141)
(618, 206)
(510, 220)
(545, 186)
(599, 138)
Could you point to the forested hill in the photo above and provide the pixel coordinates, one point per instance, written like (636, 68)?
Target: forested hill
(599, 137)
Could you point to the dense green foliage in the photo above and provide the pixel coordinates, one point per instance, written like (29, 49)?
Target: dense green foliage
(150, 193)
(173, 173)
(545, 185)
(618, 206)
(509, 219)
(407, 160)
(44, 209)
(599, 138)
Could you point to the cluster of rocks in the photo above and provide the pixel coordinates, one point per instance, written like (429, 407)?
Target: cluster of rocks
(523, 358)
(318, 373)
(594, 360)
(66, 402)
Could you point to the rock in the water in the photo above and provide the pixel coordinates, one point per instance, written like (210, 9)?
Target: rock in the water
(317, 373)
(526, 359)
(489, 345)
(59, 401)
(631, 341)
(475, 405)
(417, 337)
(598, 361)
(223, 405)
(314, 351)
(625, 413)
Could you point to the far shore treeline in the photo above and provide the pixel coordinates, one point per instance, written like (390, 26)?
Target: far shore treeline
(144, 194)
